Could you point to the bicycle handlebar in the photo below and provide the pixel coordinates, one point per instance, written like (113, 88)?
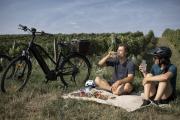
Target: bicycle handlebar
(24, 28)
(33, 30)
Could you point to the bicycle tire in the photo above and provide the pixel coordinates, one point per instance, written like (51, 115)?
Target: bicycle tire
(67, 66)
(4, 61)
(10, 85)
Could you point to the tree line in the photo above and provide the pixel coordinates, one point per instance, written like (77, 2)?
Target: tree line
(100, 42)
(173, 36)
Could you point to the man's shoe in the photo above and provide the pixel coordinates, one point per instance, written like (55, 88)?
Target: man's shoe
(146, 103)
(155, 102)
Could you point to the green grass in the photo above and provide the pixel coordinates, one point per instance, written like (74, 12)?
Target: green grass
(43, 101)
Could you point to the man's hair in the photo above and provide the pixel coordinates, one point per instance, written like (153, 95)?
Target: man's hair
(125, 46)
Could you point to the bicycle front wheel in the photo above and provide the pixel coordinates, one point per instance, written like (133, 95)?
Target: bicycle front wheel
(75, 70)
(22, 69)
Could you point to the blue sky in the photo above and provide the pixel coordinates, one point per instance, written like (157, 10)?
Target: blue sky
(97, 16)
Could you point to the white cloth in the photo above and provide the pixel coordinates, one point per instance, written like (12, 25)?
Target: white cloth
(128, 102)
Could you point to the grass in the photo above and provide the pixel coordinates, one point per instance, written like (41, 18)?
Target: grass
(43, 101)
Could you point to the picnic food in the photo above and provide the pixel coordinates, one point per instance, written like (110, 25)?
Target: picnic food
(95, 94)
(100, 96)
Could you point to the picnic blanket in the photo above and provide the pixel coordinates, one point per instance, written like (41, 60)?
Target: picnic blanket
(130, 102)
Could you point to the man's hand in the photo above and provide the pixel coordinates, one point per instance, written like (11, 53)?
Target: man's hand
(141, 68)
(146, 78)
(115, 85)
(112, 54)
(104, 59)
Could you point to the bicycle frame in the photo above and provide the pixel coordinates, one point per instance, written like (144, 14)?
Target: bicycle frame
(50, 74)
(35, 50)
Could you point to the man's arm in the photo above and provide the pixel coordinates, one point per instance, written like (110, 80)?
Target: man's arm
(163, 77)
(127, 79)
(102, 62)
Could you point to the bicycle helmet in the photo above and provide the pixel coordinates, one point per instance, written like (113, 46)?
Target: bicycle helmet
(161, 52)
(90, 83)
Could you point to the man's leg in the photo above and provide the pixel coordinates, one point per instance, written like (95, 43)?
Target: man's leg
(128, 87)
(164, 90)
(149, 90)
(101, 83)
(124, 89)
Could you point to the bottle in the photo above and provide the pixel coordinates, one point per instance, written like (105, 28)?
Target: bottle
(114, 54)
(113, 43)
(144, 65)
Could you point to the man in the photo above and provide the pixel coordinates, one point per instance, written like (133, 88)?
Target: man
(160, 84)
(123, 75)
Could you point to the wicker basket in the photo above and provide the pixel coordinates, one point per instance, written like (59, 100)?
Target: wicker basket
(81, 46)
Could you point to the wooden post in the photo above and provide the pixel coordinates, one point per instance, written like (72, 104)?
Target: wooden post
(13, 48)
(55, 49)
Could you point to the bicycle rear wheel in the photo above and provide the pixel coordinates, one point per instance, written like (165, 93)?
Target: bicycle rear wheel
(4, 61)
(22, 70)
(75, 70)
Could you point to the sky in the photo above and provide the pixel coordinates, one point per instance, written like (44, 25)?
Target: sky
(90, 16)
